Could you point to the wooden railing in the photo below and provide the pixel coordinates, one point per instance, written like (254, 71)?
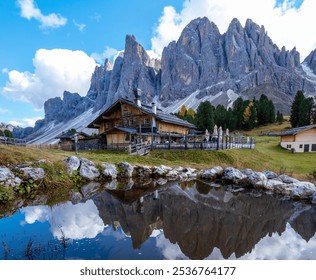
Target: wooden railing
(12, 141)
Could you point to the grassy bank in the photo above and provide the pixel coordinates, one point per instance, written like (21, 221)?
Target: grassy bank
(267, 156)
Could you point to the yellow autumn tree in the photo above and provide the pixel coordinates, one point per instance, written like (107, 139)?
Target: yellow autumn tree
(191, 113)
(183, 111)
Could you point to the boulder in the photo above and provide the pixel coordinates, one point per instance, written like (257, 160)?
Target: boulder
(270, 174)
(213, 173)
(161, 171)
(109, 170)
(75, 197)
(72, 164)
(302, 190)
(88, 170)
(34, 173)
(233, 175)
(90, 189)
(287, 179)
(172, 175)
(8, 179)
(111, 185)
(125, 170)
(253, 177)
(314, 199)
(270, 184)
(142, 171)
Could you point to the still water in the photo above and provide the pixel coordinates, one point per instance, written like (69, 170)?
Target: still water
(175, 221)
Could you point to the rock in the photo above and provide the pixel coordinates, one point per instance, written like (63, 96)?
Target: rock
(8, 179)
(75, 197)
(111, 185)
(287, 179)
(270, 174)
(233, 175)
(142, 171)
(314, 199)
(72, 164)
(211, 174)
(172, 175)
(161, 181)
(253, 177)
(125, 170)
(302, 190)
(88, 170)
(161, 171)
(109, 170)
(90, 189)
(269, 184)
(34, 173)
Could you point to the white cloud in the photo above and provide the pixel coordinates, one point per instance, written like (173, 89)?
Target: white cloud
(25, 122)
(5, 70)
(108, 52)
(55, 71)
(286, 25)
(29, 11)
(80, 26)
(76, 221)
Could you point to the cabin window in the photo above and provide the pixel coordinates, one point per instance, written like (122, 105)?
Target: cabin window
(131, 122)
(301, 146)
(288, 146)
(126, 137)
(146, 121)
(106, 125)
(313, 147)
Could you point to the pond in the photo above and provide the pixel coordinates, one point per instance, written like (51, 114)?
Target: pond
(192, 220)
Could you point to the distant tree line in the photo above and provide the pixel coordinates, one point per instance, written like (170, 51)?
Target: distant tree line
(303, 111)
(244, 114)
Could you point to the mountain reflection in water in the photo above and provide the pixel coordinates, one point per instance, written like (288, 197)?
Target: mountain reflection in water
(179, 221)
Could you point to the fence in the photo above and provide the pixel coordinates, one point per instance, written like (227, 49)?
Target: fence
(12, 141)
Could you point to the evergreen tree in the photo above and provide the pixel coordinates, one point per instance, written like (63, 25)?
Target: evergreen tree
(305, 112)
(8, 133)
(296, 109)
(204, 118)
(250, 116)
(279, 117)
(220, 116)
(271, 112)
(239, 107)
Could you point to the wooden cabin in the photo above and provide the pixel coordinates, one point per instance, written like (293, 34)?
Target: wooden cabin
(299, 139)
(126, 122)
(67, 139)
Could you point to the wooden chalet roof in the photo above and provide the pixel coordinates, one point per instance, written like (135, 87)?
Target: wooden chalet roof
(160, 115)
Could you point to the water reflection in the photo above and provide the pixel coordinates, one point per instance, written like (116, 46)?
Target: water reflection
(191, 220)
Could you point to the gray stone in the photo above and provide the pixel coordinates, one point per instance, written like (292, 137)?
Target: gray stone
(34, 173)
(72, 164)
(111, 185)
(88, 170)
(213, 173)
(161, 171)
(302, 190)
(172, 175)
(314, 199)
(270, 174)
(8, 179)
(253, 177)
(75, 197)
(125, 170)
(287, 179)
(270, 184)
(233, 175)
(90, 189)
(109, 170)
(142, 171)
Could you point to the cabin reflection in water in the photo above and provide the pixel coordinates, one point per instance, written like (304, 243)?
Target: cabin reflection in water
(200, 218)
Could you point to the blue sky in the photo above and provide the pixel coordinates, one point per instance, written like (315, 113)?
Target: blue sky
(48, 46)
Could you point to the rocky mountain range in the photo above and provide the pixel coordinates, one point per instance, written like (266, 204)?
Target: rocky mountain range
(202, 64)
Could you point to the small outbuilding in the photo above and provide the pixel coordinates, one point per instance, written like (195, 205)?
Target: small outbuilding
(299, 139)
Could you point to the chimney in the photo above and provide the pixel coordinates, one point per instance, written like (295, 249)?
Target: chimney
(154, 107)
(137, 97)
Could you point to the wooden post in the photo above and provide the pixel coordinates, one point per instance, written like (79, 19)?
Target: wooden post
(169, 140)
